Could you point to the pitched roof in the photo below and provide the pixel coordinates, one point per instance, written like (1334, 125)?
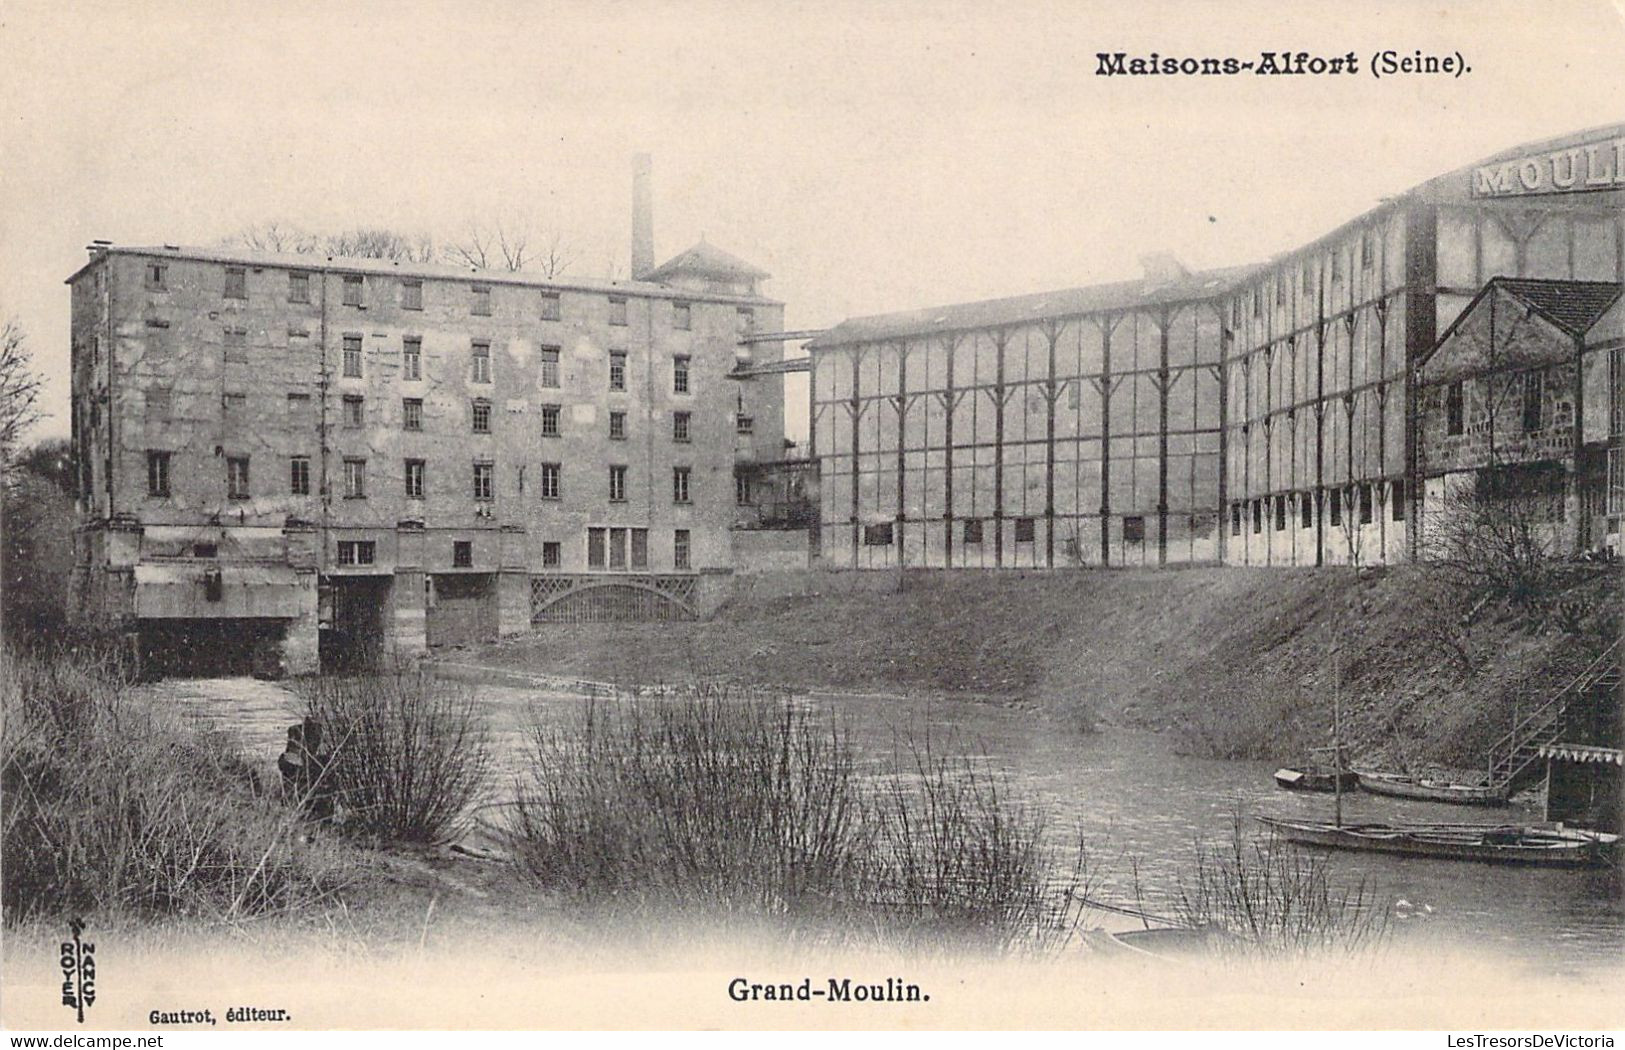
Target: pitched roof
(1573, 306)
(1025, 309)
(707, 259)
(1517, 323)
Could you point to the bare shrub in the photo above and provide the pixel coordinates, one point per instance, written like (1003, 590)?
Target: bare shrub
(409, 753)
(958, 854)
(1493, 540)
(1270, 897)
(740, 806)
(105, 805)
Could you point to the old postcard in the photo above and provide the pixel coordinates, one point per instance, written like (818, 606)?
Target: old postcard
(745, 515)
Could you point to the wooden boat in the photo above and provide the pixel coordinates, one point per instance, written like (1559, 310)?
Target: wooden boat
(1399, 786)
(1313, 779)
(1546, 846)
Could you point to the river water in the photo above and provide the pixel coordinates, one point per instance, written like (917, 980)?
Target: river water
(1139, 809)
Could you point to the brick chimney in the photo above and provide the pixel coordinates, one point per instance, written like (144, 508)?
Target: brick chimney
(643, 222)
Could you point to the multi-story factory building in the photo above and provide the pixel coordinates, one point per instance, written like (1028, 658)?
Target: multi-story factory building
(286, 455)
(1266, 415)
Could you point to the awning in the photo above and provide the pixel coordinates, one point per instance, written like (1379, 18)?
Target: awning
(1583, 753)
(208, 592)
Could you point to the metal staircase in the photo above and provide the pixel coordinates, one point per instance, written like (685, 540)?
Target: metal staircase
(1512, 758)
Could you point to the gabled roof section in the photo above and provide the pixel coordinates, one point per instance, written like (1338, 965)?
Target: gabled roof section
(1517, 323)
(1026, 309)
(706, 260)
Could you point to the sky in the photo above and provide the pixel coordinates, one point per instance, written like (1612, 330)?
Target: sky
(871, 156)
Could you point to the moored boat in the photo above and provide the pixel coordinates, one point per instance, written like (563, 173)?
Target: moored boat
(1400, 786)
(1313, 779)
(1540, 845)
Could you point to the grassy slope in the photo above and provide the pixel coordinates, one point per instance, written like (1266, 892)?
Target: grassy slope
(1234, 661)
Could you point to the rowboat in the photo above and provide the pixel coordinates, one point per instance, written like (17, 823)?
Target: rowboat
(1542, 845)
(1432, 790)
(1313, 779)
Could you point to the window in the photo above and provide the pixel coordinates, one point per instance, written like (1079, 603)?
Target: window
(237, 477)
(1024, 530)
(234, 404)
(160, 402)
(617, 484)
(482, 362)
(1398, 498)
(236, 283)
(1335, 508)
(462, 554)
(681, 317)
(1235, 519)
(298, 287)
(352, 356)
(485, 481)
(550, 481)
(1533, 387)
(352, 290)
(411, 413)
(158, 473)
(412, 358)
(679, 549)
(617, 426)
(745, 318)
(595, 548)
(482, 417)
(552, 556)
(550, 306)
(550, 366)
(1133, 529)
(411, 294)
(973, 530)
(299, 475)
(617, 548)
(482, 300)
(617, 310)
(679, 375)
(640, 548)
(617, 370)
(1258, 517)
(415, 469)
(1368, 250)
(1455, 403)
(355, 479)
(679, 427)
(550, 421)
(354, 410)
(157, 273)
(1306, 506)
(205, 550)
(744, 424)
(236, 343)
(1365, 504)
(877, 535)
(679, 484)
(357, 552)
(298, 406)
(742, 489)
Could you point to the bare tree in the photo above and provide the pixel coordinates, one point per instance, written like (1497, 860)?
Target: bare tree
(273, 236)
(511, 243)
(19, 390)
(376, 242)
(360, 242)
